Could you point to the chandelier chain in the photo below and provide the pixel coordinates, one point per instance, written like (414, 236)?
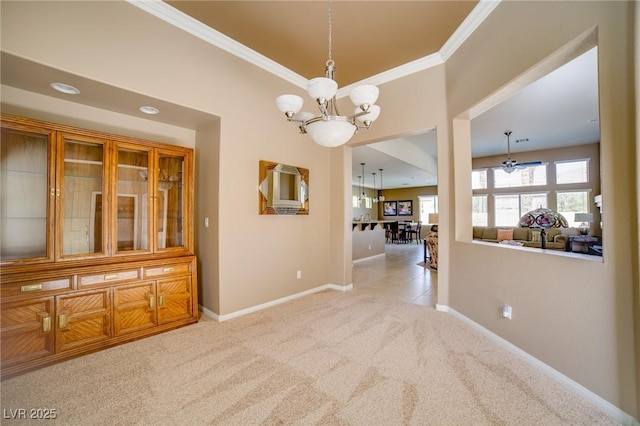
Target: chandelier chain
(330, 29)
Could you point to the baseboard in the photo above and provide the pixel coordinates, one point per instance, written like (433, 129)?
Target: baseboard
(442, 308)
(369, 257)
(575, 387)
(221, 318)
(208, 313)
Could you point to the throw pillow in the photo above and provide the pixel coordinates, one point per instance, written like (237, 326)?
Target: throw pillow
(535, 236)
(505, 234)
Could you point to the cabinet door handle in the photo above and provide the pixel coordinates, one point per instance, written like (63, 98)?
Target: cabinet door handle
(57, 192)
(152, 302)
(168, 269)
(161, 301)
(46, 324)
(110, 277)
(32, 287)
(62, 321)
(53, 191)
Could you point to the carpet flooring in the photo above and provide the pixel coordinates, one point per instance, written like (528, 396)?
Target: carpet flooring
(363, 357)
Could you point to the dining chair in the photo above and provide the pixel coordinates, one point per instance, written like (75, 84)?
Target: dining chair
(415, 232)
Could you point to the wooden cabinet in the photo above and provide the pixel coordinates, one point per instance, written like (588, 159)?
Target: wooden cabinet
(96, 241)
(91, 195)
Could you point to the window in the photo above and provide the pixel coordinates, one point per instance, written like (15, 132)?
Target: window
(428, 204)
(480, 215)
(479, 179)
(366, 203)
(526, 176)
(572, 202)
(509, 208)
(572, 172)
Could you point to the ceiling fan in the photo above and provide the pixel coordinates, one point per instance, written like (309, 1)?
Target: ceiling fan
(511, 164)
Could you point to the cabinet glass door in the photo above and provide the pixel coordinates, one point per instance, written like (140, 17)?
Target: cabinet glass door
(26, 203)
(170, 201)
(132, 200)
(84, 204)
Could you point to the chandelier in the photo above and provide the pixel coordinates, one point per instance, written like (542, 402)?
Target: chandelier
(330, 128)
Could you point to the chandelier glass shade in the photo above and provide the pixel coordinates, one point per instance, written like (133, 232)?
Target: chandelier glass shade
(329, 128)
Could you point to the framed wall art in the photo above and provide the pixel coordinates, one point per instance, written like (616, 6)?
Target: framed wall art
(405, 208)
(390, 208)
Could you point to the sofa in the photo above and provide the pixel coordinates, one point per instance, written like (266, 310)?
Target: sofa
(557, 238)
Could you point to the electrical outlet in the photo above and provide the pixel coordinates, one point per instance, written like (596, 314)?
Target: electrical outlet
(507, 311)
(299, 274)
(369, 246)
(206, 222)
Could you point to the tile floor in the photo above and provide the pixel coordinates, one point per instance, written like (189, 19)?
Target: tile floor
(400, 275)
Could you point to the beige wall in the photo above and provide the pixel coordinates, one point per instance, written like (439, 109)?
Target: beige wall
(207, 206)
(575, 315)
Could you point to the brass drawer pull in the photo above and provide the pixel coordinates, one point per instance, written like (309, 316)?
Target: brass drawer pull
(110, 277)
(171, 269)
(152, 302)
(46, 324)
(32, 287)
(161, 301)
(62, 321)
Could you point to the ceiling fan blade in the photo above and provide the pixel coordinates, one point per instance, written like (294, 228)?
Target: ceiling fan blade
(529, 163)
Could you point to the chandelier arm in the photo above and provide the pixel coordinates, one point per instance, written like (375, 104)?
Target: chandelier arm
(333, 107)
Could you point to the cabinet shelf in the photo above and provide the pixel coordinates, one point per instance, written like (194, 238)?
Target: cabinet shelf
(62, 230)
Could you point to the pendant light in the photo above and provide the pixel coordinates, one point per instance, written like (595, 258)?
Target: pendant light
(375, 198)
(363, 196)
(380, 197)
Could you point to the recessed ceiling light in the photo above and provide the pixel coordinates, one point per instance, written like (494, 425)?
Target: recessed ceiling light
(149, 109)
(65, 88)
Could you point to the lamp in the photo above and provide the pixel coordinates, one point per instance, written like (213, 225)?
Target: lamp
(433, 219)
(543, 218)
(331, 129)
(586, 219)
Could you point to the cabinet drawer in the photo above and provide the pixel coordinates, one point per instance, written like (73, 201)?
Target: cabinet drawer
(108, 278)
(167, 270)
(36, 287)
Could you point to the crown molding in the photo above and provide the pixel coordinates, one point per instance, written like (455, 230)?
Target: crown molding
(181, 20)
(471, 23)
(173, 16)
(409, 68)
